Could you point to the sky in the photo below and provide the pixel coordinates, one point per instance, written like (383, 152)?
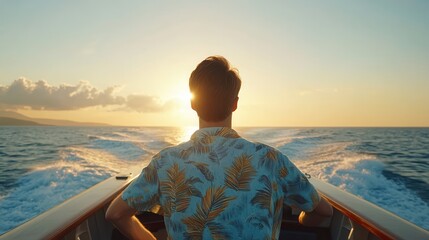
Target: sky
(302, 63)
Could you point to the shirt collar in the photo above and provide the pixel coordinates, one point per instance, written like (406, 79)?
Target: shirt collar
(213, 132)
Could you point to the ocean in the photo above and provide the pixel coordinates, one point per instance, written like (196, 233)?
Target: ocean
(40, 167)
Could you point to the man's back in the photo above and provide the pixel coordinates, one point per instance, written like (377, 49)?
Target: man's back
(217, 185)
(221, 186)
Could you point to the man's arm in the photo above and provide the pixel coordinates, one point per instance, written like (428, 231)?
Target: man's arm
(123, 217)
(320, 214)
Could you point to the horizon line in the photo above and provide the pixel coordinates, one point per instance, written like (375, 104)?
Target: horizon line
(165, 126)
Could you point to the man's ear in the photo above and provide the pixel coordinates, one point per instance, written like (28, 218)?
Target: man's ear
(235, 104)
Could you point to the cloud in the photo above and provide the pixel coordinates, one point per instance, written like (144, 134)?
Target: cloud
(23, 93)
(42, 96)
(144, 103)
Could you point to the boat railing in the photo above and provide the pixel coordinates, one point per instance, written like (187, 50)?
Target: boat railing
(82, 217)
(361, 219)
(76, 217)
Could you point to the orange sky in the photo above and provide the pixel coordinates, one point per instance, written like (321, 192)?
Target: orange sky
(302, 63)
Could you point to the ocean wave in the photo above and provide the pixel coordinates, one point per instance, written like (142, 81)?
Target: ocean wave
(362, 175)
(124, 150)
(127, 146)
(45, 187)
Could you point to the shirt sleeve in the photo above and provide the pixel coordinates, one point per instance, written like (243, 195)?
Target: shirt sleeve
(297, 191)
(142, 194)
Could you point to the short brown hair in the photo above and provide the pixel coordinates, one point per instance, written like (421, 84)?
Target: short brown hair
(214, 85)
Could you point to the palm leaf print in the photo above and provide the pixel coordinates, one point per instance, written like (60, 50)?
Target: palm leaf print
(185, 153)
(219, 153)
(259, 146)
(150, 173)
(263, 196)
(206, 138)
(217, 231)
(213, 156)
(158, 161)
(177, 189)
(275, 187)
(203, 168)
(272, 154)
(226, 132)
(239, 146)
(268, 160)
(283, 172)
(212, 204)
(215, 201)
(142, 203)
(200, 148)
(197, 148)
(278, 213)
(167, 208)
(239, 175)
(193, 190)
(258, 221)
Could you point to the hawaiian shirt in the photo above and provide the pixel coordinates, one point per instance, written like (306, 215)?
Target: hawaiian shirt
(221, 186)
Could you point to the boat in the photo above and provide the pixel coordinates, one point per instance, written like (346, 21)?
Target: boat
(82, 218)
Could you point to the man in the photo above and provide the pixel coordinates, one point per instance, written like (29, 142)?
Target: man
(217, 185)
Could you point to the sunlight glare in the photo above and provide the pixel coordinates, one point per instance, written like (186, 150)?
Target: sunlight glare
(186, 96)
(187, 133)
(184, 99)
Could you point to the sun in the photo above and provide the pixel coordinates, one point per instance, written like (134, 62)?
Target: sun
(183, 100)
(180, 113)
(185, 96)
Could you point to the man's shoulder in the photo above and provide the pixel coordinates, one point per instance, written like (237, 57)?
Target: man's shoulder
(270, 152)
(262, 148)
(171, 150)
(265, 147)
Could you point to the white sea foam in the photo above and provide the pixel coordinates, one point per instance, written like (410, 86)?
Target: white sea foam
(47, 186)
(361, 175)
(44, 188)
(129, 145)
(121, 149)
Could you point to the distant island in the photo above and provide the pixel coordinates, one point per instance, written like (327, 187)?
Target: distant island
(8, 118)
(5, 121)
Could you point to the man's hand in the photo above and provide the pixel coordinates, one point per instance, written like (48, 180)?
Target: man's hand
(123, 217)
(322, 213)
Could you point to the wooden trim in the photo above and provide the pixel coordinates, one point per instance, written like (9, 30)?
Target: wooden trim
(76, 222)
(358, 219)
(57, 222)
(378, 221)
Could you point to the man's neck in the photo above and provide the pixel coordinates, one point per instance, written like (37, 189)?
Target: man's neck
(225, 123)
